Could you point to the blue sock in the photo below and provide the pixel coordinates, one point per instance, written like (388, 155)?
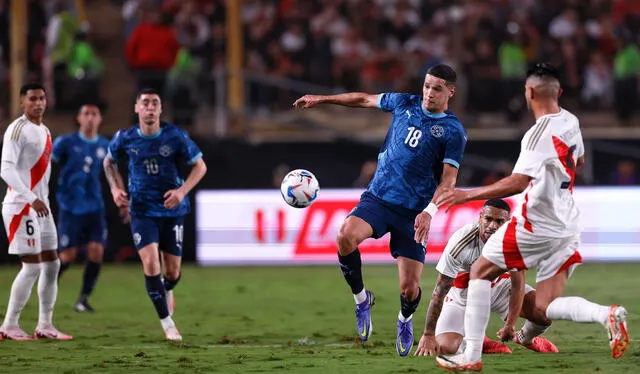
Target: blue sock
(91, 272)
(407, 308)
(63, 268)
(155, 289)
(170, 284)
(351, 266)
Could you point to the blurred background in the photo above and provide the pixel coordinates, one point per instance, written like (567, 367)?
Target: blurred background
(229, 71)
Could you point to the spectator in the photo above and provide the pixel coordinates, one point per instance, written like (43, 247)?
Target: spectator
(625, 174)
(626, 72)
(151, 50)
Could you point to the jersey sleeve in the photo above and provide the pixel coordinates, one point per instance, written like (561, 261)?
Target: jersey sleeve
(115, 146)
(389, 101)
(11, 149)
(448, 265)
(59, 149)
(534, 153)
(455, 146)
(189, 150)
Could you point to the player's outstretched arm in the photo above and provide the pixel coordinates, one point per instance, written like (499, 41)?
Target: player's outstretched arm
(116, 183)
(174, 197)
(428, 345)
(516, 298)
(505, 187)
(350, 99)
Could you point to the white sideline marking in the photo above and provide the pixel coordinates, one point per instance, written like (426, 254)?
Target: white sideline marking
(227, 346)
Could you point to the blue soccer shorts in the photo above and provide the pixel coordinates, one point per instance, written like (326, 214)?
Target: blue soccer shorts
(78, 229)
(167, 232)
(397, 221)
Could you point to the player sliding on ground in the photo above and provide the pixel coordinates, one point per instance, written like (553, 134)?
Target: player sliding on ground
(510, 296)
(418, 161)
(26, 168)
(543, 233)
(157, 196)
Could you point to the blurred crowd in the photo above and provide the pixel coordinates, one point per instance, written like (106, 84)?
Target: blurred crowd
(59, 54)
(176, 46)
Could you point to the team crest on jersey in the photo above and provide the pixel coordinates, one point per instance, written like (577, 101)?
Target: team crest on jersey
(100, 152)
(165, 151)
(437, 131)
(137, 238)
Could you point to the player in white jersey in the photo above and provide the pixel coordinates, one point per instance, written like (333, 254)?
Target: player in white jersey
(544, 231)
(26, 167)
(444, 330)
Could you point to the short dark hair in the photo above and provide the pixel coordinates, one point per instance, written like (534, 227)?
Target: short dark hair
(146, 91)
(31, 86)
(443, 71)
(543, 69)
(91, 103)
(499, 204)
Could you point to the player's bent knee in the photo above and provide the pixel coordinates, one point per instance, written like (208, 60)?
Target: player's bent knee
(409, 288)
(150, 260)
(448, 343)
(95, 252)
(347, 242)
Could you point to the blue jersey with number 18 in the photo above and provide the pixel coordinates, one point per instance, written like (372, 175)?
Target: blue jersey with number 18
(154, 167)
(417, 145)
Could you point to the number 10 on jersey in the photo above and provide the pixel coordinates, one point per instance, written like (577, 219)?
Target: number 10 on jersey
(152, 166)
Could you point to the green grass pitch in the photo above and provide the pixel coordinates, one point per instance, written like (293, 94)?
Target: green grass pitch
(286, 320)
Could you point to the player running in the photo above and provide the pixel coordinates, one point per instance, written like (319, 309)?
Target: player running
(158, 198)
(82, 217)
(422, 150)
(544, 231)
(26, 168)
(444, 330)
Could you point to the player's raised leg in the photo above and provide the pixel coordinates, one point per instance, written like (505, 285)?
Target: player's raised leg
(550, 305)
(353, 231)
(410, 271)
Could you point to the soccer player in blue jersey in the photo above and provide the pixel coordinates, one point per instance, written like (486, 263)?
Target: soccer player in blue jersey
(418, 161)
(157, 197)
(82, 218)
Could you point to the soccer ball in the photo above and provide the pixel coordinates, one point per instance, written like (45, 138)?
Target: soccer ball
(299, 188)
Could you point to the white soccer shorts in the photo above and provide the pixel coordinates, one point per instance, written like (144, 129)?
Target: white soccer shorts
(29, 234)
(452, 315)
(514, 247)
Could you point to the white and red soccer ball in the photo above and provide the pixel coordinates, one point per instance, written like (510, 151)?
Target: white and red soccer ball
(299, 188)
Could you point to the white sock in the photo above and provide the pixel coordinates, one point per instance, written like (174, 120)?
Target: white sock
(529, 331)
(20, 292)
(476, 317)
(402, 319)
(463, 345)
(577, 309)
(167, 322)
(47, 291)
(360, 297)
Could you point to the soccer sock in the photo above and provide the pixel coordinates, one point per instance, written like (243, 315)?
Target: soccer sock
(47, 290)
(170, 284)
(63, 268)
(155, 290)
(577, 309)
(476, 317)
(351, 266)
(89, 278)
(20, 292)
(529, 331)
(407, 308)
